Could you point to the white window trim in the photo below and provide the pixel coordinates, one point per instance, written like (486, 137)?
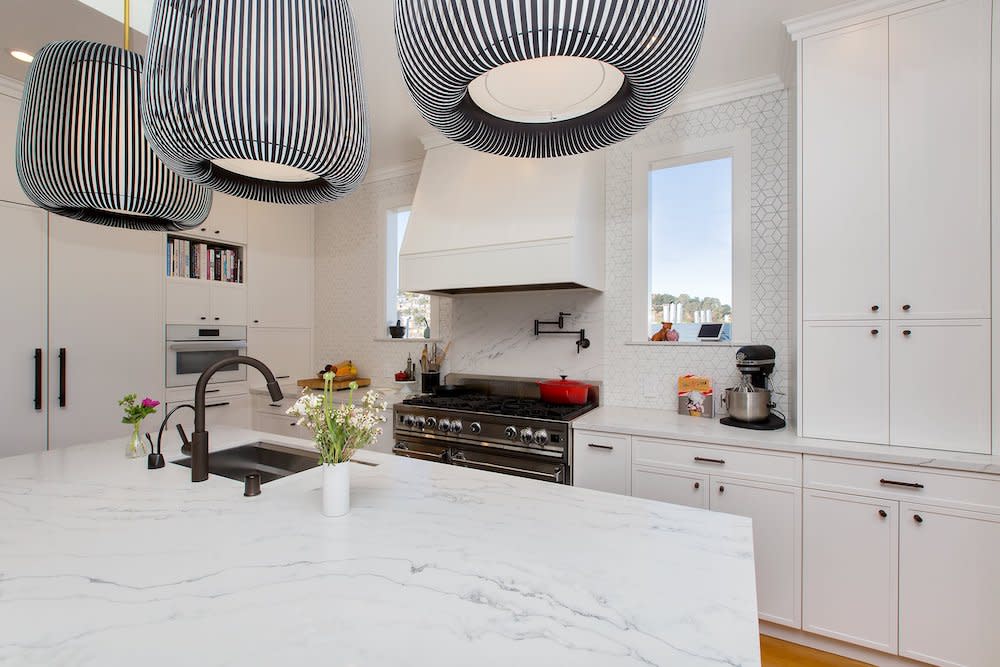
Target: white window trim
(381, 332)
(735, 145)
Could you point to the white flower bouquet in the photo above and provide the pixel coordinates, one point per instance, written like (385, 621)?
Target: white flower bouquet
(340, 429)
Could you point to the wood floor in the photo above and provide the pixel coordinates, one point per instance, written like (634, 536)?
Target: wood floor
(777, 653)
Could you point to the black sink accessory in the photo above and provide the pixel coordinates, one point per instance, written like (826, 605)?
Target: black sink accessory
(155, 459)
(582, 342)
(251, 485)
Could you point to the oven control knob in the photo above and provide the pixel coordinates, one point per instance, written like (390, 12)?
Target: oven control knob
(541, 437)
(430, 422)
(527, 436)
(408, 420)
(476, 427)
(456, 425)
(444, 425)
(510, 433)
(419, 422)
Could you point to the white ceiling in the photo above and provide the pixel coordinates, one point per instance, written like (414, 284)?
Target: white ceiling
(744, 39)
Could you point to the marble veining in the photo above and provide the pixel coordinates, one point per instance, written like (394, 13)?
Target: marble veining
(103, 562)
(667, 424)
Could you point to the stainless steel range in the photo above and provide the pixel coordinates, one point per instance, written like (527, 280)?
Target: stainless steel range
(490, 423)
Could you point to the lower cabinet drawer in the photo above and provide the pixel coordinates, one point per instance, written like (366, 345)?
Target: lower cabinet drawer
(279, 425)
(903, 482)
(776, 467)
(670, 486)
(601, 462)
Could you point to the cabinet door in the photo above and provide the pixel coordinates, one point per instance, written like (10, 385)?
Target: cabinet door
(280, 265)
(235, 411)
(948, 584)
(601, 462)
(849, 569)
(227, 221)
(280, 424)
(939, 59)
(287, 352)
(679, 488)
(845, 381)
(941, 385)
(22, 293)
(10, 186)
(106, 311)
(229, 303)
(777, 541)
(188, 301)
(845, 143)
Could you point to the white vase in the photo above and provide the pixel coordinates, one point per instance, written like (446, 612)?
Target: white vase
(336, 489)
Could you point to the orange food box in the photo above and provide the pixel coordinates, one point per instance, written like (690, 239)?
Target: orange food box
(689, 383)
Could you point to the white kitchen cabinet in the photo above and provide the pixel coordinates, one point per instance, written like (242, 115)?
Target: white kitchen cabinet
(191, 301)
(280, 425)
(601, 462)
(23, 276)
(10, 186)
(850, 569)
(845, 238)
(226, 222)
(845, 381)
(220, 410)
(777, 538)
(940, 396)
(939, 58)
(287, 352)
(670, 486)
(105, 327)
(280, 265)
(948, 584)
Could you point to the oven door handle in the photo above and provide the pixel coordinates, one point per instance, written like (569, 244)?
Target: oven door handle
(554, 476)
(401, 450)
(206, 345)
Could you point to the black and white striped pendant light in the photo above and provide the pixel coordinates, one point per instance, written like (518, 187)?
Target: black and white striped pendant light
(258, 99)
(544, 78)
(80, 151)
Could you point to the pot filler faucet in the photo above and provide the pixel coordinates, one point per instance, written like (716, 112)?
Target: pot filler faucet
(199, 439)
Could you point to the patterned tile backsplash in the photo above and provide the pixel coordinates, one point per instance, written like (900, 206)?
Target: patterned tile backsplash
(492, 333)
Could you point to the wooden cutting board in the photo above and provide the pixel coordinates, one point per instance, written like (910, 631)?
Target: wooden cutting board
(338, 384)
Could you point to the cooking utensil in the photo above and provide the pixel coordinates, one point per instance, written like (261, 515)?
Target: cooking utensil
(563, 391)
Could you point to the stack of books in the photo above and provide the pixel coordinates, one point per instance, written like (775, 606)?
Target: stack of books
(205, 261)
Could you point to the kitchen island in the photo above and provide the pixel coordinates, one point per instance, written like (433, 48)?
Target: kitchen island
(103, 562)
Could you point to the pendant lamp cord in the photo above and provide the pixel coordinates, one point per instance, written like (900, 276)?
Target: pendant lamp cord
(127, 29)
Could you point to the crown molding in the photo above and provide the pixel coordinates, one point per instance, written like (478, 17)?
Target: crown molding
(842, 16)
(386, 173)
(11, 87)
(724, 94)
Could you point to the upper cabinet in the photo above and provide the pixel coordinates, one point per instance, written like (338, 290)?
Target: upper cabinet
(10, 186)
(280, 265)
(227, 220)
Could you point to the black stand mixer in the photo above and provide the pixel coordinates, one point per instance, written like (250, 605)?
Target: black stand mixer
(749, 404)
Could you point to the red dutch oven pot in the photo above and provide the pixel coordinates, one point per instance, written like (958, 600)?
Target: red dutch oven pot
(567, 392)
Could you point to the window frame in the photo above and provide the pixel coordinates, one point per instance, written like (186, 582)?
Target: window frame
(387, 240)
(734, 145)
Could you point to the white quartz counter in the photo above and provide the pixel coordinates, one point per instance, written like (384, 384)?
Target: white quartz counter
(671, 425)
(103, 562)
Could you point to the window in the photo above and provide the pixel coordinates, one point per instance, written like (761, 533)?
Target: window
(691, 239)
(412, 311)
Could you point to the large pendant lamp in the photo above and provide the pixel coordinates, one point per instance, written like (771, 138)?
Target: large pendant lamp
(259, 99)
(80, 150)
(545, 78)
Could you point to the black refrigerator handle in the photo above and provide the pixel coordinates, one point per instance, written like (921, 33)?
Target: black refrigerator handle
(62, 377)
(38, 378)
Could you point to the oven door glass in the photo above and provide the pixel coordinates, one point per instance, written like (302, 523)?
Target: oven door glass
(187, 361)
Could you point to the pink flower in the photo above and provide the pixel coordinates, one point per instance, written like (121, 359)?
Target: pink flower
(149, 403)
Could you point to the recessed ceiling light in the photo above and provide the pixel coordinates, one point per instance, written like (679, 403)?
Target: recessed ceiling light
(23, 56)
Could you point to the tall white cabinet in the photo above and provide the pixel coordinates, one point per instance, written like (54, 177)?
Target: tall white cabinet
(895, 216)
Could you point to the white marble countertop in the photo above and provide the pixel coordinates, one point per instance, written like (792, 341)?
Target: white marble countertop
(103, 562)
(668, 424)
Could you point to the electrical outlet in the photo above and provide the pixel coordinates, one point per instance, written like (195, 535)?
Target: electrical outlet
(650, 388)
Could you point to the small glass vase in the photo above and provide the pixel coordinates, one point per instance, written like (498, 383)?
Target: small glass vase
(136, 445)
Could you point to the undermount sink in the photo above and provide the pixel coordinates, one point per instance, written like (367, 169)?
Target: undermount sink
(266, 459)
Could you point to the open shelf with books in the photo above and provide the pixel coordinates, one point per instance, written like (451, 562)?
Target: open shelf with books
(204, 260)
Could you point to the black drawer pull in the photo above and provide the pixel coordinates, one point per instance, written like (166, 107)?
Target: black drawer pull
(874, 332)
(702, 459)
(217, 405)
(62, 377)
(874, 309)
(604, 447)
(906, 308)
(907, 332)
(918, 518)
(282, 377)
(722, 489)
(883, 513)
(275, 405)
(697, 485)
(38, 378)
(909, 485)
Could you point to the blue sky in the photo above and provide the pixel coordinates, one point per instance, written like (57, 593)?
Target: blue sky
(691, 211)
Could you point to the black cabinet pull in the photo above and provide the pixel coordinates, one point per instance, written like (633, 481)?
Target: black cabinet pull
(701, 459)
(874, 332)
(275, 405)
(256, 321)
(38, 378)
(697, 485)
(282, 377)
(604, 447)
(909, 485)
(62, 377)
(217, 405)
(203, 318)
(294, 424)
(883, 513)
(918, 518)
(722, 489)
(874, 309)
(216, 231)
(216, 319)
(212, 391)
(907, 332)
(906, 308)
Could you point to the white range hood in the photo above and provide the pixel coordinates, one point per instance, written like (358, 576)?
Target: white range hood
(483, 223)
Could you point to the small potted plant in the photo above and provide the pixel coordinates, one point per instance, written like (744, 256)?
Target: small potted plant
(135, 412)
(339, 430)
